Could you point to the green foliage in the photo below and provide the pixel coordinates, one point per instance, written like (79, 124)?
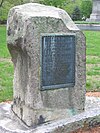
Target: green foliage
(68, 5)
(56, 3)
(71, 5)
(7, 4)
(86, 8)
(76, 15)
(4, 11)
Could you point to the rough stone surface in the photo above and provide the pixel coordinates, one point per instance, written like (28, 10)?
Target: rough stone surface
(25, 25)
(95, 16)
(89, 118)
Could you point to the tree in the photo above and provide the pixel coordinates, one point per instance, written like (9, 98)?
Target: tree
(5, 6)
(3, 12)
(76, 15)
(86, 8)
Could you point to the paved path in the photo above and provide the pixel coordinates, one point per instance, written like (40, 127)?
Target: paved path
(93, 27)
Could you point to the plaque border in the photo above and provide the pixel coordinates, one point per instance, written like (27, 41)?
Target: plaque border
(52, 87)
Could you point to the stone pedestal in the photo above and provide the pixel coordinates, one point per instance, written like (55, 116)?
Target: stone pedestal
(95, 16)
(48, 53)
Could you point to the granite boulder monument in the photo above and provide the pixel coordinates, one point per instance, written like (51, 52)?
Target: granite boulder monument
(48, 53)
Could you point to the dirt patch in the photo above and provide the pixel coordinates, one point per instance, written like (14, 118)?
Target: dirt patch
(90, 130)
(94, 94)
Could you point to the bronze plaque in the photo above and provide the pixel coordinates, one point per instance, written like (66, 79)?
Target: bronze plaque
(57, 61)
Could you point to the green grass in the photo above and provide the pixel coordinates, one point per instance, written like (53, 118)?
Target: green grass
(94, 72)
(93, 60)
(93, 64)
(6, 78)
(3, 48)
(85, 22)
(6, 68)
(93, 43)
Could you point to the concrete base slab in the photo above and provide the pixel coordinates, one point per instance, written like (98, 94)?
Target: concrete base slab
(89, 118)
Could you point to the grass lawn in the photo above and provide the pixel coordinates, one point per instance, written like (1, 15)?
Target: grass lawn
(93, 60)
(6, 68)
(93, 64)
(3, 47)
(85, 22)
